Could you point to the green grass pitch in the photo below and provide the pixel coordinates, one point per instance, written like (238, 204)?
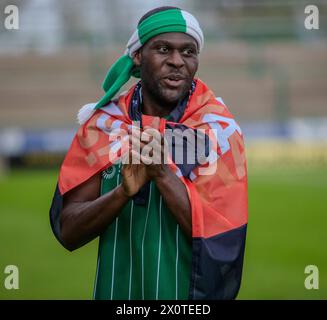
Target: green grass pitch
(286, 232)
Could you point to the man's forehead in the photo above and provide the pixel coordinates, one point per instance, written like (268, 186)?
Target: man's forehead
(174, 38)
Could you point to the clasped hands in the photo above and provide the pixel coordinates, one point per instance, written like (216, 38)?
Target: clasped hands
(146, 159)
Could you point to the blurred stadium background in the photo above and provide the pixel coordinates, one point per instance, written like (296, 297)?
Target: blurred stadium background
(258, 57)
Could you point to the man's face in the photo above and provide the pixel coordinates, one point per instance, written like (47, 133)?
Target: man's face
(168, 64)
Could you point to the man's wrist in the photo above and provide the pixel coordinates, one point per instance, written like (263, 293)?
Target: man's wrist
(164, 174)
(121, 192)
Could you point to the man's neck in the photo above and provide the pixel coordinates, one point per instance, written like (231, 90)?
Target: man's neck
(151, 107)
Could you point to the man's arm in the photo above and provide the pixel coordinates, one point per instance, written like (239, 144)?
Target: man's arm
(176, 198)
(85, 215)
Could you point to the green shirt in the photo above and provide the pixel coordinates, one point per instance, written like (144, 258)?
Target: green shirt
(143, 254)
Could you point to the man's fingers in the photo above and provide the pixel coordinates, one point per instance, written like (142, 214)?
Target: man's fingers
(144, 157)
(153, 133)
(138, 158)
(125, 158)
(148, 146)
(148, 152)
(146, 160)
(145, 135)
(136, 143)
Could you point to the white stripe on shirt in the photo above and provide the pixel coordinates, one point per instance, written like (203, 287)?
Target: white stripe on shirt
(130, 252)
(145, 227)
(176, 267)
(159, 253)
(115, 243)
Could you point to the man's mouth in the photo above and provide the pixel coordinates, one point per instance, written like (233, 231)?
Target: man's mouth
(174, 81)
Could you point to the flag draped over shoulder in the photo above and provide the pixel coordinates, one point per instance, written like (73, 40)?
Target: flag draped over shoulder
(217, 189)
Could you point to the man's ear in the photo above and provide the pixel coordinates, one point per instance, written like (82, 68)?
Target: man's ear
(137, 58)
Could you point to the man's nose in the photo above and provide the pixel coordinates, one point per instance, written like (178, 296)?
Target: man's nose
(175, 59)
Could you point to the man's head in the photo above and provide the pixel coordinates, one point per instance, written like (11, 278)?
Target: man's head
(168, 63)
(163, 51)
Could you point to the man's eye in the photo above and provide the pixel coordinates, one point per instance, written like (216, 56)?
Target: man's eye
(163, 49)
(188, 51)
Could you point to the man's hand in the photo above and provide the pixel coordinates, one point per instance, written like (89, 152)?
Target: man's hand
(153, 152)
(134, 171)
(134, 177)
(145, 160)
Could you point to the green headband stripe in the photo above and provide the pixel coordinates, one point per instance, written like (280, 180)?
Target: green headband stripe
(165, 21)
(117, 76)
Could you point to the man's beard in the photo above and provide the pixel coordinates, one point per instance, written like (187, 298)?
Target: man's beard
(153, 87)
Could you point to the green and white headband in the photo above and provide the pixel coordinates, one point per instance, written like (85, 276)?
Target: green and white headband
(170, 20)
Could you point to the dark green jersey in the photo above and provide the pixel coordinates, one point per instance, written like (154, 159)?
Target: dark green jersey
(143, 254)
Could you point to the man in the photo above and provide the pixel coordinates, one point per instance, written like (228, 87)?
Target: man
(168, 229)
